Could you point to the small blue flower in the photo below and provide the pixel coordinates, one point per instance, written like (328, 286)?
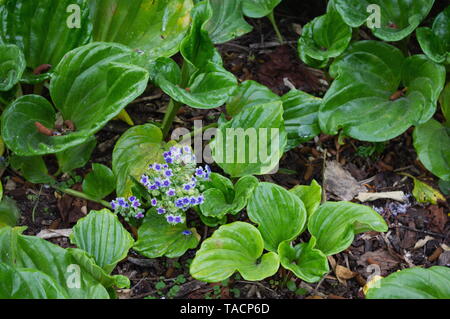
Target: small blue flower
(186, 232)
(132, 198)
(160, 210)
(152, 187)
(186, 201)
(200, 199)
(135, 204)
(187, 150)
(171, 192)
(193, 200)
(169, 160)
(168, 172)
(199, 172)
(144, 180)
(153, 202)
(179, 203)
(167, 154)
(177, 219)
(121, 201)
(166, 183)
(170, 218)
(157, 182)
(139, 215)
(114, 205)
(187, 187)
(157, 167)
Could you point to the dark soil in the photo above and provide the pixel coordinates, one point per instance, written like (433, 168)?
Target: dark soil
(257, 56)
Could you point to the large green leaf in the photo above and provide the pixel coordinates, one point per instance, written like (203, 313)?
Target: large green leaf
(325, 37)
(134, 151)
(249, 93)
(444, 100)
(305, 261)
(103, 237)
(234, 247)
(12, 65)
(413, 283)
(435, 42)
(154, 26)
(398, 18)
(252, 142)
(311, 195)
(32, 168)
(259, 8)
(100, 182)
(227, 21)
(432, 143)
(280, 215)
(335, 224)
(157, 238)
(91, 85)
(35, 254)
(222, 197)
(362, 102)
(41, 28)
(300, 117)
(77, 156)
(9, 212)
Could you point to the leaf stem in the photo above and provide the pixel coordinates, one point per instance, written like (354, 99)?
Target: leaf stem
(171, 111)
(85, 196)
(275, 27)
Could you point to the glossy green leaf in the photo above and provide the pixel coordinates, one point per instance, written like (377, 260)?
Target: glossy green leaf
(398, 18)
(77, 156)
(9, 212)
(252, 142)
(311, 196)
(157, 238)
(300, 117)
(103, 237)
(222, 197)
(444, 100)
(227, 21)
(325, 37)
(44, 29)
(234, 247)
(280, 215)
(259, 8)
(98, 79)
(36, 254)
(100, 182)
(249, 93)
(414, 283)
(334, 225)
(435, 42)
(433, 152)
(305, 261)
(12, 65)
(154, 26)
(204, 90)
(364, 100)
(136, 148)
(32, 168)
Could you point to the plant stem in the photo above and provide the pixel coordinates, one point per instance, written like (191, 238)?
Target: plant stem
(275, 27)
(78, 194)
(172, 110)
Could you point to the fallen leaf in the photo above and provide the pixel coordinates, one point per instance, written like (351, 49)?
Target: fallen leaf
(340, 182)
(438, 218)
(368, 197)
(422, 242)
(380, 257)
(54, 233)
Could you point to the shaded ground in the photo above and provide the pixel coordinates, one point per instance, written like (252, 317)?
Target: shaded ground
(257, 56)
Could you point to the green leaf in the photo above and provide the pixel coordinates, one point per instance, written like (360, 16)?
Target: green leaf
(252, 142)
(424, 193)
(335, 224)
(435, 42)
(100, 182)
(434, 153)
(305, 261)
(362, 102)
(35, 254)
(325, 37)
(280, 215)
(227, 21)
(154, 26)
(50, 36)
(259, 8)
(12, 65)
(414, 283)
(103, 237)
(311, 196)
(97, 80)
(77, 156)
(32, 168)
(249, 93)
(398, 18)
(222, 197)
(9, 212)
(136, 148)
(300, 117)
(204, 90)
(234, 247)
(157, 238)
(444, 100)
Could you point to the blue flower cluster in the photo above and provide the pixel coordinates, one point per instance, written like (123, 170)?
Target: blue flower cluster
(128, 206)
(174, 186)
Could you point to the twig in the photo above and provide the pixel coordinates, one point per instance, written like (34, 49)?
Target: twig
(421, 231)
(147, 98)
